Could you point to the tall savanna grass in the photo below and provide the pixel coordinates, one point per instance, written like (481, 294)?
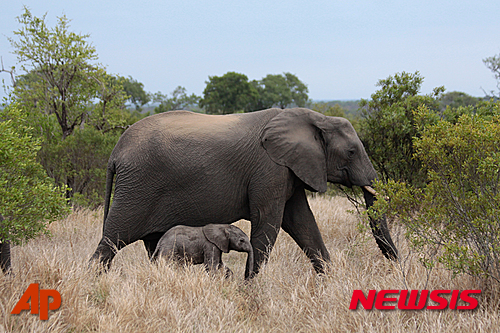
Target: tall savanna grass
(287, 296)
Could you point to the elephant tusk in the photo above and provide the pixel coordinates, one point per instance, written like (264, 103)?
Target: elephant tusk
(372, 191)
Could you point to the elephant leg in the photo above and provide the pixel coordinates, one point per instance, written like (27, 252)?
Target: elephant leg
(106, 251)
(212, 259)
(300, 224)
(150, 243)
(266, 222)
(120, 228)
(5, 257)
(217, 265)
(228, 273)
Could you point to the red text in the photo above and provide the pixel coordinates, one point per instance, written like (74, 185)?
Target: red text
(414, 300)
(41, 308)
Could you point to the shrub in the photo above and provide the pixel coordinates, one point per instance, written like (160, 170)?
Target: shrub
(455, 219)
(29, 199)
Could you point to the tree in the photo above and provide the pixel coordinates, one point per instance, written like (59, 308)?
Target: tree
(281, 90)
(493, 64)
(28, 198)
(228, 93)
(298, 89)
(329, 110)
(64, 92)
(61, 78)
(333, 109)
(275, 91)
(81, 162)
(456, 99)
(388, 127)
(108, 113)
(135, 92)
(180, 100)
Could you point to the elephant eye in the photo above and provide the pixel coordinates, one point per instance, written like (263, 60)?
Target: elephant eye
(350, 153)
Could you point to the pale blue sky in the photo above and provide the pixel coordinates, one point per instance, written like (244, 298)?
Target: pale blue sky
(340, 49)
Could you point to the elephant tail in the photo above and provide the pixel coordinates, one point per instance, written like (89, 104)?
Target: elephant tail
(109, 186)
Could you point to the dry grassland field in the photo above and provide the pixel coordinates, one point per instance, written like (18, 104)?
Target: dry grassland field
(287, 296)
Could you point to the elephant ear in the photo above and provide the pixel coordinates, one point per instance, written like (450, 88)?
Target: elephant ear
(294, 139)
(217, 235)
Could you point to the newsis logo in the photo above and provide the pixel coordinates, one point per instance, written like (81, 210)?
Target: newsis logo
(41, 307)
(414, 300)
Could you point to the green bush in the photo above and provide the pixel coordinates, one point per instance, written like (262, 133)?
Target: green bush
(455, 218)
(29, 199)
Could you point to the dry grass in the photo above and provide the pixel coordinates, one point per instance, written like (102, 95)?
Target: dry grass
(287, 296)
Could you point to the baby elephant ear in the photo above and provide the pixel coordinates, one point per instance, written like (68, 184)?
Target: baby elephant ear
(217, 234)
(294, 139)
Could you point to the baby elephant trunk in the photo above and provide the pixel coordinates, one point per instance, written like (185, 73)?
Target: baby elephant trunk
(249, 268)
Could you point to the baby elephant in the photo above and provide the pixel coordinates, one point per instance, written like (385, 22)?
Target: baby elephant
(204, 245)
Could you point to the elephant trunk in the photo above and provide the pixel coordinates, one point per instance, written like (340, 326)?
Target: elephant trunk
(379, 227)
(249, 272)
(4, 254)
(5, 257)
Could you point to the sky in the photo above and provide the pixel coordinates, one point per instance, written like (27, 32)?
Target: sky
(339, 49)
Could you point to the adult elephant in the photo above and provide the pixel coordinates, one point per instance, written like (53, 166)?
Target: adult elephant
(185, 168)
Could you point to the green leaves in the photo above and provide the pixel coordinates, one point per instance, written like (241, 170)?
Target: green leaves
(233, 93)
(62, 77)
(229, 93)
(441, 171)
(28, 197)
(389, 126)
(135, 92)
(281, 90)
(180, 100)
(493, 64)
(81, 161)
(456, 214)
(76, 108)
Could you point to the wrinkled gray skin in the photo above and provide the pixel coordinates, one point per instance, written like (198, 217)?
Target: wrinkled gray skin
(5, 257)
(204, 245)
(181, 166)
(4, 254)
